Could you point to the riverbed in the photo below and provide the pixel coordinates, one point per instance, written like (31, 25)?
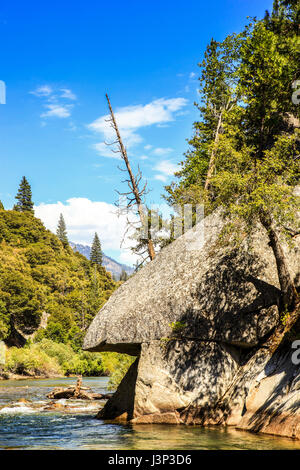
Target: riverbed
(27, 423)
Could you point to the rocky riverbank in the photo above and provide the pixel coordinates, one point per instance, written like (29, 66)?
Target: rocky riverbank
(10, 376)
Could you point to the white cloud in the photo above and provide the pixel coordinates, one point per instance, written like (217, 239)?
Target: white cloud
(162, 151)
(160, 177)
(44, 90)
(83, 218)
(57, 110)
(68, 94)
(52, 101)
(165, 168)
(129, 258)
(192, 75)
(132, 118)
(105, 150)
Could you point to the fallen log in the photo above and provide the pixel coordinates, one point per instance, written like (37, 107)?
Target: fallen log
(77, 392)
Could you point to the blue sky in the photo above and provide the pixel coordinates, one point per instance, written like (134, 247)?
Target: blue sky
(58, 59)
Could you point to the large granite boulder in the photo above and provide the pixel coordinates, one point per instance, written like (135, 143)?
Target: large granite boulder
(196, 317)
(218, 294)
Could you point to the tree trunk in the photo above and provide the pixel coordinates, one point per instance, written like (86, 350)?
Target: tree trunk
(134, 185)
(289, 293)
(212, 161)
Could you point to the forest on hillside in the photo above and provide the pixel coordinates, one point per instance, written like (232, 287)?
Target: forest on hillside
(49, 295)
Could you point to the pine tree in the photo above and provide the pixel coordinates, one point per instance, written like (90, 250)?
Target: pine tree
(254, 160)
(96, 251)
(258, 165)
(1, 206)
(23, 197)
(123, 275)
(61, 231)
(218, 100)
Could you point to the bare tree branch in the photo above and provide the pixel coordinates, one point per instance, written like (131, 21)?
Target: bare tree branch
(133, 181)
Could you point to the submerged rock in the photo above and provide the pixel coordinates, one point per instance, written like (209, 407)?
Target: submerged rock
(196, 318)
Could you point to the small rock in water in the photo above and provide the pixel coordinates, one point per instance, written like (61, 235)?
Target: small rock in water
(54, 406)
(23, 400)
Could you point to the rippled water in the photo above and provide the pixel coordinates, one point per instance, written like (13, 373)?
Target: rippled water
(29, 426)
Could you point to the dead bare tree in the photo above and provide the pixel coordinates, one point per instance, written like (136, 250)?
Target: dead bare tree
(134, 197)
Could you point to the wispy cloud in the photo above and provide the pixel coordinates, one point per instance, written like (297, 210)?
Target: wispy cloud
(44, 90)
(68, 94)
(160, 151)
(56, 110)
(132, 118)
(165, 168)
(161, 177)
(105, 150)
(53, 100)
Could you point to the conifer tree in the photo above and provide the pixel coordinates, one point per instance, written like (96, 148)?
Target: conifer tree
(96, 251)
(61, 231)
(23, 197)
(218, 100)
(255, 158)
(123, 275)
(1, 206)
(258, 163)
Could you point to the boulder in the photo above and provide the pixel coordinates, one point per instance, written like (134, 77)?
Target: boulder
(121, 405)
(197, 318)
(172, 376)
(221, 295)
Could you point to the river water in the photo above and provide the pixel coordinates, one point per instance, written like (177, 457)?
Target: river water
(28, 425)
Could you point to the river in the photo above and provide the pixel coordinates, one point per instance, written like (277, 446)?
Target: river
(28, 425)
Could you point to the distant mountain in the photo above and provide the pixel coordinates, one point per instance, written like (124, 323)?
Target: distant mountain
(110, 264)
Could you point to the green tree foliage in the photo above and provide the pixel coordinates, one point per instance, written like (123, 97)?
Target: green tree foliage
(252, 163)
(261, 149)
(96, 251)
(116, 365)
(218, 99)
(1, 206)
(48, 358)
(38, 275)
(61, 231)
(23, 197)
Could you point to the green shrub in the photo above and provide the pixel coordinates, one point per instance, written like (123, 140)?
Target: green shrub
(84, 363)
(62, 352)
(31, 360)
(116, 365)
